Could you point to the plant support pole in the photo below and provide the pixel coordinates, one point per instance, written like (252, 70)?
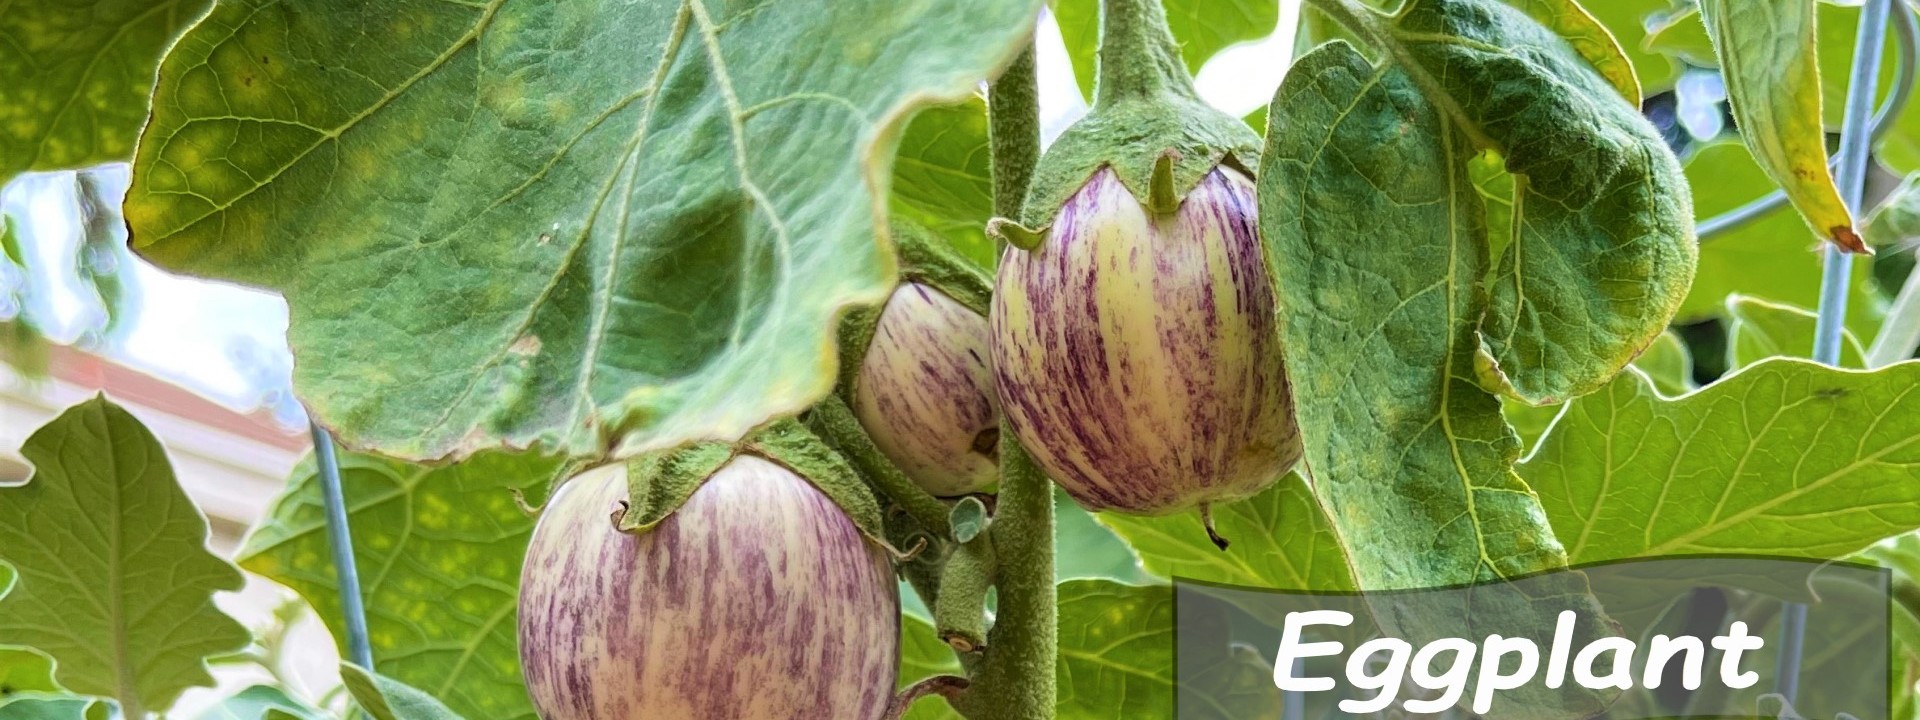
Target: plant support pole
(359, 650)
(1855, 142)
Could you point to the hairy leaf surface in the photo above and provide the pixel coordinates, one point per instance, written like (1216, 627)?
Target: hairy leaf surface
(115, 582)
(1786, 457)
(78, 76)
(1573, 23)
(439, 552)
(599, 226)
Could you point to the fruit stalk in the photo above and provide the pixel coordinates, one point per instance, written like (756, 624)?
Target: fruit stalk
(1146, 61)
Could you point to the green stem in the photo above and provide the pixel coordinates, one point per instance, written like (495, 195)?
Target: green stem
(834, 421)
(1016, 680)
(1013, 135)
(1138, 57)
(960, 613)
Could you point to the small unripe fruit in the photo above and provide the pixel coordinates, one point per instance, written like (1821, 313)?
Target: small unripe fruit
(925, 392)
(1137, 356)
(757, 599)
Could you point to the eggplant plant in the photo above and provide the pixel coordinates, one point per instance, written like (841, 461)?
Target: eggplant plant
(692, 359)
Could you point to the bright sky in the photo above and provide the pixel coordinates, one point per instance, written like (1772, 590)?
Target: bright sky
(229, 343)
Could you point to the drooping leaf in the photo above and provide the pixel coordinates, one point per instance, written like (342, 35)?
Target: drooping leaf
(1116, 657)
(646, 236)
(1763, 329)
(941, 178)
(385, 698)
(115, 580)
(1786, 457)
(1773, 257)
(1202, 27)
(1770, 64)
(77, 78)
(1280, 540)
(1601, 240)
(1587, 36)
(257, 703)
(439, 551)
(1358, 152)
(924, 655)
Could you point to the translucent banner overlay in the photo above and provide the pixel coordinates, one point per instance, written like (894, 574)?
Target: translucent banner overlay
(1667, 638)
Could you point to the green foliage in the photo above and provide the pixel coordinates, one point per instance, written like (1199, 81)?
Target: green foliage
(55, 708)
(115, 582)
(1203, 27)
(258, 702)
(1627, 21)
(1770, 65)
(1280, 539)
(924, 655)
(78, 76)
(1785, 457)
(1762, 330)
(385, 698)
(1116, 657)
(941, 178)
(661, 259)
(1586, 36)
(439, 551)
(1774, 257)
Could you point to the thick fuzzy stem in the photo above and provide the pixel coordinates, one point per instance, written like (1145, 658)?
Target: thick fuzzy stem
(960, 613)
(833, 420)
(1138, 56)
(1013, 104)
(1016, 680)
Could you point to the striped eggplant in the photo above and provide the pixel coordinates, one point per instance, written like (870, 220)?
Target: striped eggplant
(925, 393)
(1137, 355)
(758, 598)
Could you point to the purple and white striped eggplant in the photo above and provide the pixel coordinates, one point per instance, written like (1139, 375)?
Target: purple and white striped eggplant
(925, 393)
(1137, 356)
(757, 598)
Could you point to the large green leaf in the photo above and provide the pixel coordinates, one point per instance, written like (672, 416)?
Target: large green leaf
(1786, 457)
(941, 178)
(115, 580)
(1280, 540)
(1775, 257)
(600, 226)
(1769, 62)
(1116, 658)
(77, 78)
(1762, 330)
(55, 707)
(1202, 27)
(1408, 452)
(439, 552)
